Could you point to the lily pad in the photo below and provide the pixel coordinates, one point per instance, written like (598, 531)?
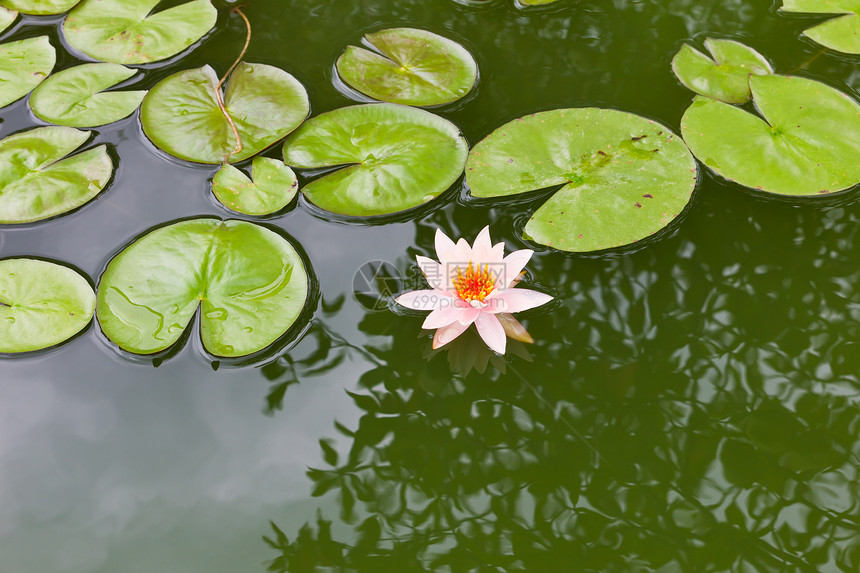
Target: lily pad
(38, 181)
(23, 66)
(41, 304)
(807, 141)
(39, 7)
(726, 76)
(250, 283)
(273, 187)
(623, 177)
(7, 17)
(409, 66)
(128, 32)
(535, 2)
(392, 158)
(181, 114)
(842, 33)
(75, 97)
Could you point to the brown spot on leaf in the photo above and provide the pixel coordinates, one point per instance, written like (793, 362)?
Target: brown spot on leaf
(648, 196)
(638, 205)
(640, 138)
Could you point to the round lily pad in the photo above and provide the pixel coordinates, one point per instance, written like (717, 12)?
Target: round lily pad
(622, 177)
(181, 114)
(807, 141)
(75, 97)
(39, 7)
(250, 283)
(274, 185)
(24, 65)
(7, 17)
(38, 180)
(841, 33)
(129, 32)
(391, 158)
(725, 76)
(41, 304)
(409, 66)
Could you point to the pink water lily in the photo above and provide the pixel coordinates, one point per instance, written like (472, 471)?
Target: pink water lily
(472, 285)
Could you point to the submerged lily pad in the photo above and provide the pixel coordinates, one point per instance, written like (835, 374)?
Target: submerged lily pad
(23, 66)
(274, 185)
(409, 66)
(75, 97)
(39, 7)
(623, 177)
(392, 158)
(807, 141)
(726, 76)
(41, 304)
(7, 17)
(250, 283)
(181, 114)
(38, 181)
(128, 32)
(841, 33)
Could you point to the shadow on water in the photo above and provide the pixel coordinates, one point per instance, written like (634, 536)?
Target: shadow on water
(691, 407)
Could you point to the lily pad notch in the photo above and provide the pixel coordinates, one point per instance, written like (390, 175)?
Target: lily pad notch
(621, 177)
(39, 178)
(250, 284)
(128, 32)
(409, 66)
(182, 115)
(725, 74)
(387, 158)
(841, 32)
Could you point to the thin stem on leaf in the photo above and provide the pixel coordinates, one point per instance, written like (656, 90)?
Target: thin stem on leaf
(219, 98)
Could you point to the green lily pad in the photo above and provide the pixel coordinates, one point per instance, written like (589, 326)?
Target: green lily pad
(38, 181)
(128, 32)
(842, 33)
(41, 304)
(726, 76)
(39, 7)
(23, 66)
(75, 97)
(273, 187)
(181, 114)
(623, 177)
(535, 2)
(409, 66)
(250, 282)
(392, 158)
(807, 141)
(7, 17)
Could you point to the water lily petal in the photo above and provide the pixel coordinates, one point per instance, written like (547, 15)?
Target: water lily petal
(516, 300)
(444, 246)
(441, 317)
(434, 273)
(448, 333)
(482, 246)
(497, 253)
(424, 300)
(468, 315)
(492, 332)
(514, 265)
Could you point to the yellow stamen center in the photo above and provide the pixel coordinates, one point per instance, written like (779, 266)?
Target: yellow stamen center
(474, 284)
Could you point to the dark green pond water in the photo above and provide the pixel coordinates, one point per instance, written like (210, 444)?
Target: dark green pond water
(691, 404)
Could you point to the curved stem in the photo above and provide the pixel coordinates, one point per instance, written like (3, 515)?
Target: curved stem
(219, 98)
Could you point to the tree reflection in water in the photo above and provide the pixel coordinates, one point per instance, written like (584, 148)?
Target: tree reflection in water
(692, 406)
